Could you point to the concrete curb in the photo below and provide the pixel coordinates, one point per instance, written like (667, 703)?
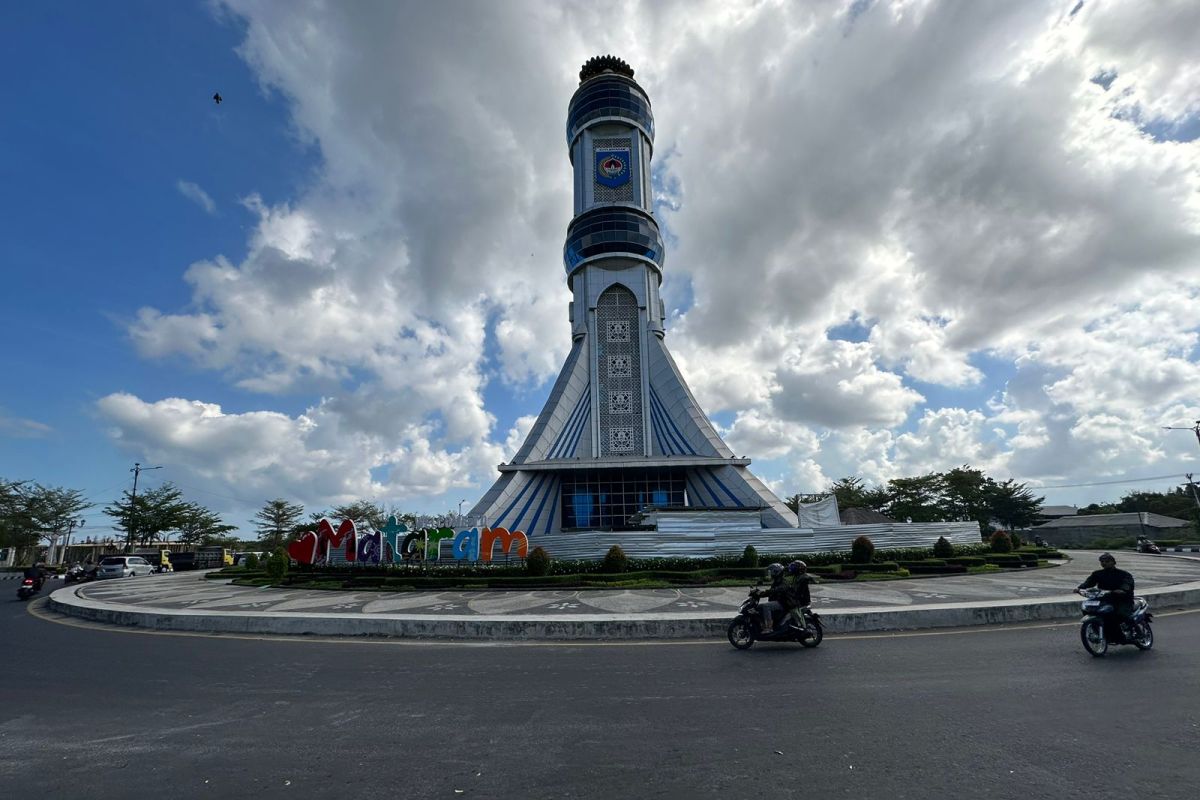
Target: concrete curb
(567, 627)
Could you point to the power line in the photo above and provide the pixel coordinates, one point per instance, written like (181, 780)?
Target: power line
(1109, 483)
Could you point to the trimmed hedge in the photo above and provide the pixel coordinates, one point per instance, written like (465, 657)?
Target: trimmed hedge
(936, 569)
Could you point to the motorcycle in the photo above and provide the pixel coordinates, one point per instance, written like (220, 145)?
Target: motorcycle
(746, 628)
(1147, 546)
(28, 588)
(78, 574)
(1135, 630)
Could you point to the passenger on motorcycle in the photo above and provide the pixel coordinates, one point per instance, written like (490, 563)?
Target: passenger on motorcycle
(778, 595)
(1119, 585)
(798, 580)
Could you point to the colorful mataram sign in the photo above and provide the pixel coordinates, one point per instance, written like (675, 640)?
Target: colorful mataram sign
(395, 544)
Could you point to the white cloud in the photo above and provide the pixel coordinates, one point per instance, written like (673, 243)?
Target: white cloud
(21, 428)
(193, 192)
(314, 456)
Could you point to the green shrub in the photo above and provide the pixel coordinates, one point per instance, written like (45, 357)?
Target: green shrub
(942, 548)
(877, 566)
(1000, 542)
(250, 561)
(967, 561)
(982, 569)
(277, 565)
(862, 550)
(615, 559)
(1015, 539)
(936, 569)
(538, 562)
(749, 557)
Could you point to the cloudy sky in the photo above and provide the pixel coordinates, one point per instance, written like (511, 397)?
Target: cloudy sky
(903, 237)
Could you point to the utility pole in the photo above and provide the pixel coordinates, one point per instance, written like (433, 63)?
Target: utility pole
(138, 469)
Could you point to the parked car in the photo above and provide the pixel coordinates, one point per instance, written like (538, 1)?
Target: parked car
(124, 567)
(240, 558)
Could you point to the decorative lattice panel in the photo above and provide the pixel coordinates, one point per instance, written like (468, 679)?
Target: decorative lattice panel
(606, 194)
(620, 367)
(620, 371)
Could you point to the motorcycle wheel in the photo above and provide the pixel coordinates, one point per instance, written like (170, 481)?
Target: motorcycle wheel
(1143, 636)
(741, 634)
(1092, 634)
(816, 634)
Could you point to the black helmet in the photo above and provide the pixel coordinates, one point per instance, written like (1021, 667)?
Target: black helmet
(796, 567)
(1107, 557)
(775, 570)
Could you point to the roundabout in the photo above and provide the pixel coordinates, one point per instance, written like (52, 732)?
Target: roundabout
(188, 602)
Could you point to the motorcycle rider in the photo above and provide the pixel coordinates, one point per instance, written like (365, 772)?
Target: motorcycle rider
(37, 574)
(777, 597)
(1119, 585)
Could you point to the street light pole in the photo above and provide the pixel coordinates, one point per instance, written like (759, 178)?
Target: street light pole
(138, 469)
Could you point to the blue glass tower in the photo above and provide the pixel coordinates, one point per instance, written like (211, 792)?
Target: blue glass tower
(620, 432)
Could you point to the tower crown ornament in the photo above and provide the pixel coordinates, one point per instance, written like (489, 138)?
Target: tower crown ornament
(598, 65)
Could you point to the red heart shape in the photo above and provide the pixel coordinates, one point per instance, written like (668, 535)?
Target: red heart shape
(304, 549)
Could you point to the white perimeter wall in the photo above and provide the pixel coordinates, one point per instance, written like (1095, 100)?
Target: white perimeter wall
(701, 543)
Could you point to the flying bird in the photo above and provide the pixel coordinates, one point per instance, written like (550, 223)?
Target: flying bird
(217, 98)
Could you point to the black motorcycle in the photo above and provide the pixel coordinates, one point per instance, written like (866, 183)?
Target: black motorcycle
(1135, 630)
(28, 588)
(747, 628)
(78, 574)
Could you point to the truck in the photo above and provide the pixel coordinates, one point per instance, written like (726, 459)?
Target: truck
(213, 558)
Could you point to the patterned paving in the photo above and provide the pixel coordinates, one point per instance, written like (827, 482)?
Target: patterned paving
(190, 591)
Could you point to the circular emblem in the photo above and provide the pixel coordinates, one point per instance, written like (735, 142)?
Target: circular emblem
(612, 167)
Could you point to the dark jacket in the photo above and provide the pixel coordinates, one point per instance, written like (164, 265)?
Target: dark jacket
(1113, 579)
(799, 585)
(781, 592)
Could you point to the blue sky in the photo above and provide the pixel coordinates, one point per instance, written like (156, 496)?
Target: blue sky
(886, 256)
(109, 108)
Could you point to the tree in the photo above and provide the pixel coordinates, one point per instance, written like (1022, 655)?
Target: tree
(1013, 504)
(17, 528)
(359, 511)
(275, 521)
(53, 510)
(849, 491)
(965, 495)
(149, 516)
(199, 525)
(917, 499)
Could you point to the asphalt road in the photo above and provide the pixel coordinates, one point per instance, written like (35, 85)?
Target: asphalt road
(998, 713)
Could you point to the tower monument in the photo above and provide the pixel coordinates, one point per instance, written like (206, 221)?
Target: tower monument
(620, 432)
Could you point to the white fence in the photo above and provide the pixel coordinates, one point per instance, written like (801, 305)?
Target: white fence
(701, 543)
